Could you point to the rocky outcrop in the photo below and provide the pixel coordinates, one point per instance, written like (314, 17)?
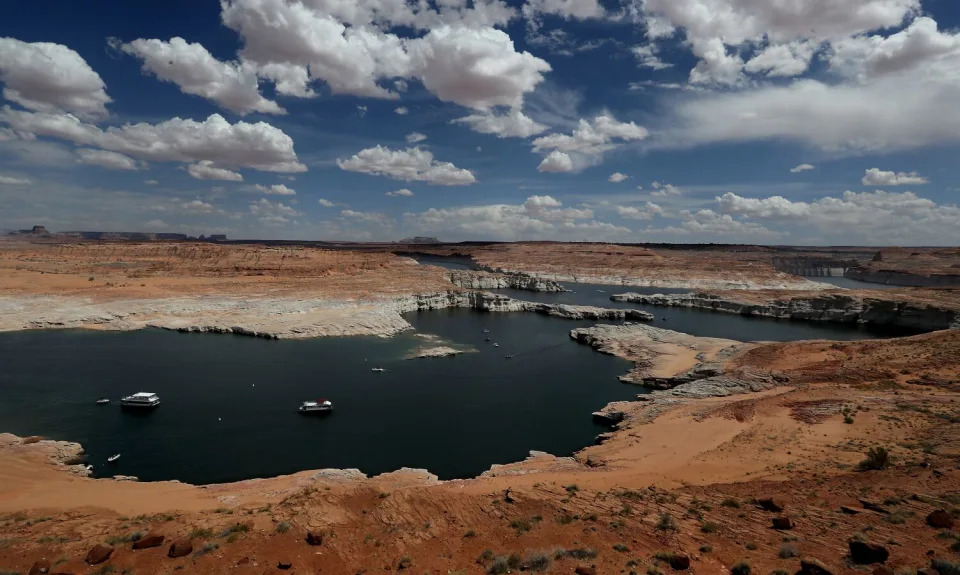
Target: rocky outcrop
(518, 281)
(66, 455)
(98, 554)
(485, 301)
(828, 307)
(898, 278)
(433, 352)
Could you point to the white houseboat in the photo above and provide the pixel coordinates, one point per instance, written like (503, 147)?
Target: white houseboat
(319, 406)
(142, 400)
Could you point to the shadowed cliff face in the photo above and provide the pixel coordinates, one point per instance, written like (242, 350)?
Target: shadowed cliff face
(830, 307)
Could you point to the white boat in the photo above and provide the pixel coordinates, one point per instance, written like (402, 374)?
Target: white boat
(103, 401)
(113, 458)
(319, 406)
(141, 400)
(378, 369)
(486, 331)
(496, 345)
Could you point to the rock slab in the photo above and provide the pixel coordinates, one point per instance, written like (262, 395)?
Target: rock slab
(98, 554)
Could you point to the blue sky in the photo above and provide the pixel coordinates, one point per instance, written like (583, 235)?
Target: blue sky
(621, 120)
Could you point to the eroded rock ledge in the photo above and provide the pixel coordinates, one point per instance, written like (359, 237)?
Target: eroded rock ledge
(518, 281)
(826, 307)
(269, 317)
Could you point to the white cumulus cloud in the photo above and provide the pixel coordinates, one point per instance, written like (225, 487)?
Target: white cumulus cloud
(513, 124)
(402, 192)
(50, 77)
(590, 140)
(205, 170)
(617, 177)
(232, 85)
(802, 168)
(106, 159)
(411, 164)
(276, 190)
(556, 162)
(416, 137)
(878, 177)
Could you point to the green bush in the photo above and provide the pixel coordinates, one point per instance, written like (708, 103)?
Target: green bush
(877, 458)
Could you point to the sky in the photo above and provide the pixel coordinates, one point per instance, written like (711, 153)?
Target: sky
(823, 122)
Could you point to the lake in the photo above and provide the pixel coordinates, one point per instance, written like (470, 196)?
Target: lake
(229, 402)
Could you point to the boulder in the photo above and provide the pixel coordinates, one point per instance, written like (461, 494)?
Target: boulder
(864, 553)
(41, 567)
(314, 538)
(940, 519)
(849, 510)
(149, 540)
(584, 570)
(98, 554)
(874, 506)
(180, 548)
(882, 570)
(404, 564)
(243, 561)
(783, 523)
(284, 565)
(813, 566)
(941, 567)
(773, 504)
(680, 561)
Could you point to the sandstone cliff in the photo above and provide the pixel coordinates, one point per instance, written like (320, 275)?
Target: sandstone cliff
(827, 307)
(483, 280)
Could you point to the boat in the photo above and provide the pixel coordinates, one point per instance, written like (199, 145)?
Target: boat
(486, 331)
(113, 458)
(378, 369)
(510, 355)
(103, 401)
(496, 345)
(319, 406)
(141, 400)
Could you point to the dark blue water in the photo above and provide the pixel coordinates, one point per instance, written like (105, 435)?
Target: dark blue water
(229, 403)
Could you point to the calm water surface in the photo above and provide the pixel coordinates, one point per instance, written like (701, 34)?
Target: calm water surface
(229, 402)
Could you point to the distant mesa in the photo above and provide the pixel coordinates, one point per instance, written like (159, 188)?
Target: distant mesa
(420, 240)
(41, 231)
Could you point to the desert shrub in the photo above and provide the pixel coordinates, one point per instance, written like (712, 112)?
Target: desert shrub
(283, 527)
(470, 533)
(877, 458)
(621, 548)
(787, 551)
(706, 548)
(709, 527)
(538, 561)
(741, 568)
(751, 546)
(201, 533)
(944, 567)
(666, 523)
(730, 502)
(587, 553)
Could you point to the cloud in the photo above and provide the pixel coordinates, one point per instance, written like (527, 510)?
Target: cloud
(51, 78)
(588, 142)
(11, 181)
(325, 203)
(151, 182)
(664, 190)
(710, 223)
(403, 192)
(513, 124)
(617, 177)
(648, 211)
(273, 213)
(415, 137)
(647, 57)
(276, 190)
(568, 9)
(556, 162)
(918, 45)
(802, 168)
(361, 110)
(232, 85)
(781, 29)
(198, 207)
(878, 177)
(477, 68)
(205, 170)
(401, 111)
(877, 217)
(106, 159)
(375, 218)
(539, 217)
(259, 146)
(412, 164)
(460, 59)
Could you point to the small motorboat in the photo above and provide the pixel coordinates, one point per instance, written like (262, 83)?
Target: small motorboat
(319, 406)
(496, 345)
(510, 355)
(486, 331)
(113, 458)
(378, 370)
(103, 401)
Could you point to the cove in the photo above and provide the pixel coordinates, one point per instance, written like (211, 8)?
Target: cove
(229, 402)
